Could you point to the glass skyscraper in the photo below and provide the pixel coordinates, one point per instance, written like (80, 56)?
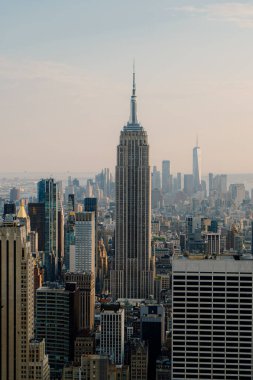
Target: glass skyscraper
(48, 194)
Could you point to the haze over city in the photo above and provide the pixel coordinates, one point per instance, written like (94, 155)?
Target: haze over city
(65, 82)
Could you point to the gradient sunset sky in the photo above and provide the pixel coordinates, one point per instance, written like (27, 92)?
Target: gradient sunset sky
(66, 76)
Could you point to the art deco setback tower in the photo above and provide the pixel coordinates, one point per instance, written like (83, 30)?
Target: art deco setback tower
(133, 274)
(16, 298)
(196, 168)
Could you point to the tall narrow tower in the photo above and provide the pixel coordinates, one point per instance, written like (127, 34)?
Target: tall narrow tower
(196, 167)
(133, 274)
(16, 298)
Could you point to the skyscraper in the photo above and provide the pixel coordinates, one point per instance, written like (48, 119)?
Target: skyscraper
(48, 194)
(91, 205)
(196, 167)
(112, 332)
(156, 179)
(85, 242)
(86, 285)
(36, 212)
(133, 274)
(16, 297)
(165, 176)
(212, 318)
(57, 322)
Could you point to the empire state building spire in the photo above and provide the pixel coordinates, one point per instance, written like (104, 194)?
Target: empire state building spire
(133, 107)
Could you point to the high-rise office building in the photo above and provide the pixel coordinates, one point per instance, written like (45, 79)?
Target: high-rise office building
(156, 179)
(16, 291)
(210, 182)
(133, 274)
(69, 240)
(38, 361)
(139, 360)
(196, 167)
(179, 181)
(153, 332)
(60, 238)
(9, 209)
(57, 311)
(112, 332)
(91, 205)
(212, 326)
(86, 285)
(165, 176)
(14, 194)
(92, 367)
(48, 194)
(237, 191)
(188, 184)
(85, 242)
(36, 212)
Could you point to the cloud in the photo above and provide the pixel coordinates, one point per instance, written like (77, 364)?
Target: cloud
(238, 13)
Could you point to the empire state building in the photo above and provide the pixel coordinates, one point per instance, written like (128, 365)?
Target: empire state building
(133, 274)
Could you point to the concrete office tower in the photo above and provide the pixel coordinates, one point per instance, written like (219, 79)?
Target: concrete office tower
(196, 167)
(38, 361)
(48, 194)
(92, 367)
(57, 311)
(210, 183)
(86, 285)
(85, 344)
(16, 290)
(213, 243)
(179, 181)
(237, 191)
(85, 242)
(188, 184)
(133, 274)
(156, 179)
(112, 332)
(14, 194)
(165, 176)
(212, 326)
(139, 360)
(91, 205)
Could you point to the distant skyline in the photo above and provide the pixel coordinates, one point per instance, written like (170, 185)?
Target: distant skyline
(66, 77)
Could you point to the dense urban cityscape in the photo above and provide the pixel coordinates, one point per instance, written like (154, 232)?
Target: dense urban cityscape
(136, 275)
(126, 190)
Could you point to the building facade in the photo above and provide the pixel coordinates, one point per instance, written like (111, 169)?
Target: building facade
(48, 194)
(165, 176)
(85, 242)
(212, 325)
(17, 310)
(133, 274)
(112, 332)
(86, 284)
(57, 310)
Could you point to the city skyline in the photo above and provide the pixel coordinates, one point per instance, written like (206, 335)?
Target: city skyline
(194, 77)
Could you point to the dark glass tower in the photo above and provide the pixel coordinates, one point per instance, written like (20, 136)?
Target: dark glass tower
(48, 194)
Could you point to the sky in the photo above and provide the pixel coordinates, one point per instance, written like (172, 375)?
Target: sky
(66, 77)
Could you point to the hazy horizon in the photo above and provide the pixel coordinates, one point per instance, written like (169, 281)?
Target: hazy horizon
(66, 72)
